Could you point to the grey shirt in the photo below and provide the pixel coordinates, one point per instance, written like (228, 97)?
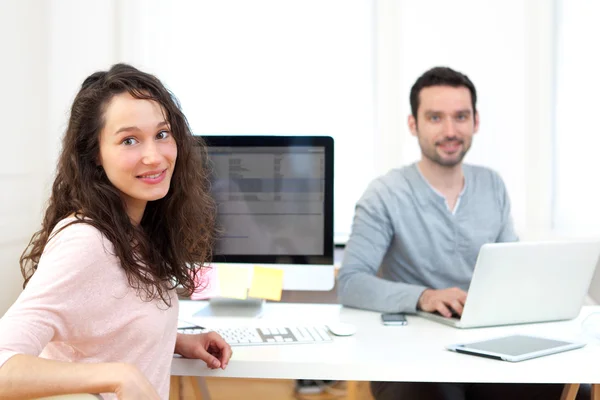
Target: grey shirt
(405, 239)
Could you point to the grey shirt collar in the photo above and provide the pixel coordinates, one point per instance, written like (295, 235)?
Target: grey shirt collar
(429, 190)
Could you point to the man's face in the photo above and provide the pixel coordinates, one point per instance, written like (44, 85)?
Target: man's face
(445, 124)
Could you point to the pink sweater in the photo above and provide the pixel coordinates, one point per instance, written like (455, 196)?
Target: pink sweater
(79, 307)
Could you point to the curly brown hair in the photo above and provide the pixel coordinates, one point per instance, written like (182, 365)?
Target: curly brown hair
(176, 234)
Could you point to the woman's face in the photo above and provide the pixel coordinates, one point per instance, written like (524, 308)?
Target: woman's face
(137, 151)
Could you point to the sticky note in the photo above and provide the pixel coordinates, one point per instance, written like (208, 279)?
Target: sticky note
(207, 283)
(233, 281)
(267, 283)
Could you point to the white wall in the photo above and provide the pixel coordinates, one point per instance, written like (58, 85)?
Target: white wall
(48, 47)
(24, 115)
(82, 40)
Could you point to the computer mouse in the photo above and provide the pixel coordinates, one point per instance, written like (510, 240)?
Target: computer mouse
(341, 328)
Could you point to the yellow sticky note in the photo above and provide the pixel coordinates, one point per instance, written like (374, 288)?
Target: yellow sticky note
(267, 283)
(233, 281)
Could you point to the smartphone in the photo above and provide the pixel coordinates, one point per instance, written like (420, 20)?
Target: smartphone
(393, 319)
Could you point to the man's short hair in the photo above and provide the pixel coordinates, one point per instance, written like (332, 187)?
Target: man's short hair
(440, 76)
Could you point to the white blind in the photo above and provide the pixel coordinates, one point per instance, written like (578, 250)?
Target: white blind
(268, 67)
(484, 40)
(576, 211)
(345, 68)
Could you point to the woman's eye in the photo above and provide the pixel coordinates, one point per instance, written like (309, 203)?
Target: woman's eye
(129, 141)
(162, 134)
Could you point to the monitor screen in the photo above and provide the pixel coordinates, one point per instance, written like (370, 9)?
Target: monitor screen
(275, 198)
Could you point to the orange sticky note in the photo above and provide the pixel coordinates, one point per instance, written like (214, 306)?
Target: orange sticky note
(233, 281)
(267, 283)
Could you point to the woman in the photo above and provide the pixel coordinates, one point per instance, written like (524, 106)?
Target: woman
(128, 214)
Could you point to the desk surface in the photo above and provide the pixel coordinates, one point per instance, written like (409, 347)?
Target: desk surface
(392, 353)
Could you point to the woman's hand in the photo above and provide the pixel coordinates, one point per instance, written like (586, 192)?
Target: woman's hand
(134, 385)
(209, 347)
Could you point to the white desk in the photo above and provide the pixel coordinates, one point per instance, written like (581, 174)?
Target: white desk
(405, 353)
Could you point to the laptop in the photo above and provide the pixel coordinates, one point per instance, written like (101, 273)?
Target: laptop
(526, 282)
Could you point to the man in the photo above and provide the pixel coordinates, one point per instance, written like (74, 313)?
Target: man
(417, 230)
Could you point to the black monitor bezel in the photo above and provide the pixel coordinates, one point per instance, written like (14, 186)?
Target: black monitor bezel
(325, 142)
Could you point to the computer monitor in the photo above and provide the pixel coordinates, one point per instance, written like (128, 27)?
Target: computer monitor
(274, 198)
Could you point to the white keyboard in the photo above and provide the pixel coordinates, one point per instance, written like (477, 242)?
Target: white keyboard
(252, 336)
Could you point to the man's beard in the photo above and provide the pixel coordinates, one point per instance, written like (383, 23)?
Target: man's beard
(433, 155)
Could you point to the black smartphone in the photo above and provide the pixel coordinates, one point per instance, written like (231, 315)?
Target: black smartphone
(393, 319)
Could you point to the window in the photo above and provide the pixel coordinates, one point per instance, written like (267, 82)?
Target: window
(576, 211)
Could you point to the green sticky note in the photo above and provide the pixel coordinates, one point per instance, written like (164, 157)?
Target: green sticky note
(267, 283)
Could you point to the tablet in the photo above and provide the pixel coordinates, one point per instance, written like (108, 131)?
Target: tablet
(515, 347)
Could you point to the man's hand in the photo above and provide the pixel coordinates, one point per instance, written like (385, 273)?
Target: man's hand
(209, 347)
(443, 301)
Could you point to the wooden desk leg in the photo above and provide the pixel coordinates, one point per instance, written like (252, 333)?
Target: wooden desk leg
(175, 390)
(197, 386)
(595, 391)
(351, 390)
(570, 391)
(201, 382)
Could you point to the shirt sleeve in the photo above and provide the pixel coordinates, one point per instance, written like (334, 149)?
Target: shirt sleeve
(61, 295)
(372, 233)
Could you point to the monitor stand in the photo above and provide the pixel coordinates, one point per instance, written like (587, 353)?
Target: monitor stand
(225, 307)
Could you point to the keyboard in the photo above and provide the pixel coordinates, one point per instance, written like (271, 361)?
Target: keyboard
(252, 336)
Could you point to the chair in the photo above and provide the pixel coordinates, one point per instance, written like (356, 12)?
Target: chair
(593, 298)
(77, 396)
(571, 389)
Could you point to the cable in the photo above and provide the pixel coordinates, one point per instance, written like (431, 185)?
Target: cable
(328, 391)
(593, 328)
